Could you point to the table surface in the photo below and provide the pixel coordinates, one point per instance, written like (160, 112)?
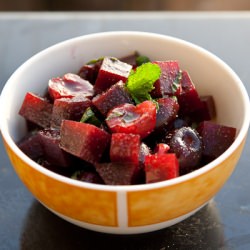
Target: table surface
(223, 224)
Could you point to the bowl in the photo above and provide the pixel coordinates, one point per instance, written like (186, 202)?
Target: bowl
(125, 209)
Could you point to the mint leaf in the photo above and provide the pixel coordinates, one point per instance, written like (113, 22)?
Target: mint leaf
(94, 61)
(177, 82)
(90, 117)
(141, 82)
(141, 60)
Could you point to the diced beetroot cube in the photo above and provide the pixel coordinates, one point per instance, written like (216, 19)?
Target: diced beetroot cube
(208, 101)
(114, 96)
(83, 140)
(89, 72)
(130, 119)
(36, 109)
(65, 171)
(206, 111)
(31, 145)
(69, 85)
(168, 83)
(50, 140)
(125, 148)
(130, 59)
(112, 71)
(161, 148)
(88, 176)
(216, 138)
(188, 98)
(167, 112)
(161, 167)
(68, 109)
(115, 173)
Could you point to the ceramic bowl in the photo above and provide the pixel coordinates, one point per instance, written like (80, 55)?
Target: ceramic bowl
(126, 209)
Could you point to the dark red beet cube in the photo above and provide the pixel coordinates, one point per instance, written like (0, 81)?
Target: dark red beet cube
(112, 71)
(167, 112)
(208, 101)
(125, 148)
(206, 111)
(36, 109)
(161, 167)
(114, 96)
(83, 140)
(115, 173)
(65, 171)
(89, 72)
(168, 83)
(88, 176)
(216, 138)
(131, 119)
(188, 97)
(130, 59)
(50, 140)
(69, 85)
(31, 145)
(68, 109)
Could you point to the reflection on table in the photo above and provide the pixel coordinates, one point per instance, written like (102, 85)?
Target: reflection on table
(44, 230)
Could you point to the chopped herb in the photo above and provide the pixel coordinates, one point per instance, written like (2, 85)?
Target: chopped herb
(141, 60)
(174, 98)
(177, 82)
(194, 125)
(94, 61)
(75, 175)
(90, 117)
(141, 82)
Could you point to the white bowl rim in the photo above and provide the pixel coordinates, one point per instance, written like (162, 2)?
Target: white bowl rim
(125, 188)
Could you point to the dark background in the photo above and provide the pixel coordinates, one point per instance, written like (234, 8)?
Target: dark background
(123, 5)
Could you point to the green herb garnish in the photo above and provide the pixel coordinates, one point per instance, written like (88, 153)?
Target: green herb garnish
(90, 117)
(177, 82)
(94, 61)
(75, 175)
(194, 125)
(141, 60)
(141, 82)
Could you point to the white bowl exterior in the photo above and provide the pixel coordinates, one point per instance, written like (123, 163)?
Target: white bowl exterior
(210, 75)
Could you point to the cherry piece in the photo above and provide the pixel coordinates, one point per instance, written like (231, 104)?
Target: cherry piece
(186, 144)
(131, 119)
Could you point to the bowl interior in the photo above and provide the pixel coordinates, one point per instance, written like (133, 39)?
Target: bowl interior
(210, 75)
